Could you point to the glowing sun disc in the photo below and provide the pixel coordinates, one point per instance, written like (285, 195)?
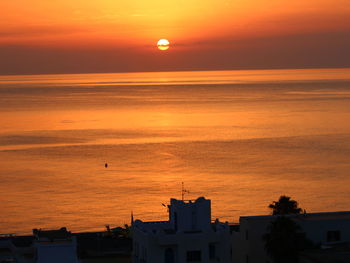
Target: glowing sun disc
(163, 44)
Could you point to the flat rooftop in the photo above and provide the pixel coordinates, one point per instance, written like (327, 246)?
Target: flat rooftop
(307, 216)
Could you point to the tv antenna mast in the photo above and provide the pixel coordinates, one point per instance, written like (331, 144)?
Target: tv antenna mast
(183, 191)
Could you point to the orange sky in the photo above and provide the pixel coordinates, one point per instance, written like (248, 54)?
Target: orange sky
(36, 33)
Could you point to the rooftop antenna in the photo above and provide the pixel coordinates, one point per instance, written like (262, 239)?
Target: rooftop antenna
(184, 191)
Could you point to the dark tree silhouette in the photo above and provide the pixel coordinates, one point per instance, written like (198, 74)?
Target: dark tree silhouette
(284, 238)
(284, 206)
(281, 240)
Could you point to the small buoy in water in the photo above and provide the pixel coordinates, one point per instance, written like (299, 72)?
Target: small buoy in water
(106, 165)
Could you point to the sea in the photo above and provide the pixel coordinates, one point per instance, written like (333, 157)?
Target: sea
(239, 138)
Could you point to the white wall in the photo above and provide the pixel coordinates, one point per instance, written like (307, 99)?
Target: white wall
(56, 252)
(190, 216)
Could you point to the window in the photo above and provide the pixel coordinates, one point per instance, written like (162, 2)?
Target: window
(175, 219)
(136, 249)
(145, 253)
(169, 256)
(194, 256)
(333, 236)
(212, 252)
(194, 218)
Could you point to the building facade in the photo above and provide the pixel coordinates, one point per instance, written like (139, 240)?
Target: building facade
(188, 236)
(323, 229)
(55, 246)
(45, 246)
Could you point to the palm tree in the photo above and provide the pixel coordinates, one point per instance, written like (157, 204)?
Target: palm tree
(284, 238)
(281, 241)
(284, 206)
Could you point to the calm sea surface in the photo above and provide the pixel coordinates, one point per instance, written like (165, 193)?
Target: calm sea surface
(240, 138)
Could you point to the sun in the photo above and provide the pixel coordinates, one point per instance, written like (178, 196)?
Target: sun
(163, 44)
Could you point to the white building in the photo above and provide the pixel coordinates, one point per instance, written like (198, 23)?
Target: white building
(55, 246)
(322, 228)
(188, 236)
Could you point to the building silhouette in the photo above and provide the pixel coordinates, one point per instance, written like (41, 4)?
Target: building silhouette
(188, 236)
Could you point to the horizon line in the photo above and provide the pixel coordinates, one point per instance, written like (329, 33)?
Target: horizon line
(182, 70)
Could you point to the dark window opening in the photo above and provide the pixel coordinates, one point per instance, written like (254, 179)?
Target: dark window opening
(169, 256)
(175, 219)
(194, 217)
(333, 236)
(194, 256)
(212, 252)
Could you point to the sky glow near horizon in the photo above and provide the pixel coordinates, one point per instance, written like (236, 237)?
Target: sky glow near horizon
(243, 33)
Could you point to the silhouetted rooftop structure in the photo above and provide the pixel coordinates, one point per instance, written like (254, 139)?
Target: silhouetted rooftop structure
(60, 234)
